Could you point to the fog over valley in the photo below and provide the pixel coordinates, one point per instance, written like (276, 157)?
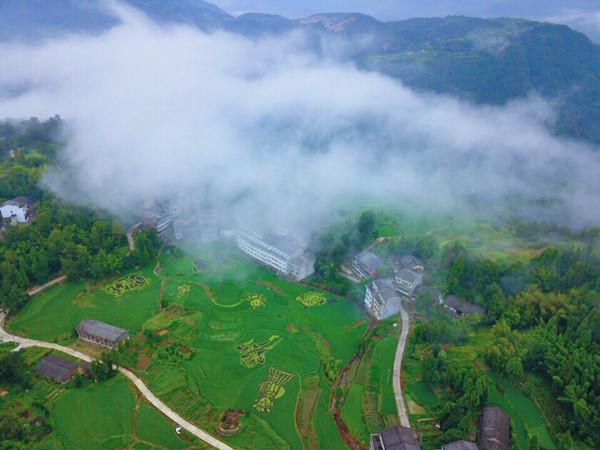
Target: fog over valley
(277, 135)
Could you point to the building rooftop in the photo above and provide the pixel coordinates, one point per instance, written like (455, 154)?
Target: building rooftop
(410, 262)
(287, 244)
(495, 429)
(397, 438)
(18, 201)
(463, 306)
(408, 276)
(370, 260)
(102, 330)
(58, 369)
(460, 445)
(387, 289)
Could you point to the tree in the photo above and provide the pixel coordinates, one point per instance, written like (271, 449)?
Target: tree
(13, 369)
(366, 227)
(104, 369)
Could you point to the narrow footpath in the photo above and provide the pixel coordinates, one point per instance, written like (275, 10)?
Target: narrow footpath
(138, 383)
(397, 374)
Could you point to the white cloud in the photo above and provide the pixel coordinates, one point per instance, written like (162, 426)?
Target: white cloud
(279, 135)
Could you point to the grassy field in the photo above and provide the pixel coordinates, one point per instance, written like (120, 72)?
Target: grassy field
(99, 416)
(215, 349)
(55, 314)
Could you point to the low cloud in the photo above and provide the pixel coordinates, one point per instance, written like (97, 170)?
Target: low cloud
(278, 136)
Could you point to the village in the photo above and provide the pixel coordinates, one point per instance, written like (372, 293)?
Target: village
(389, 284)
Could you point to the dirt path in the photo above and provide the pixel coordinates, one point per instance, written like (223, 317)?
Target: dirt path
(139, 384)
(397, 377)
(130, 239)
(37, 289)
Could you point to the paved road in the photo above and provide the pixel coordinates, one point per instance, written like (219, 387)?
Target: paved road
(397, 375)
(139, 384)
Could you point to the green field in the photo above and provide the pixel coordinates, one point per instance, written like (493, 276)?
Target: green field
(195, 363)
(108, 415)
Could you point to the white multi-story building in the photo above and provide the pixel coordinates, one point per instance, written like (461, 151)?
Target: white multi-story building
(382, 299)
(17, 210)
(281, 251)
(407, 281)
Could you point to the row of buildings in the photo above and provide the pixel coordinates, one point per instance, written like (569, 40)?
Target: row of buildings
(493, 434)
(92, 331)
(383, 296)
(283, 252)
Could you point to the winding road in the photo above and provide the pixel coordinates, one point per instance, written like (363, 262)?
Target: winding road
(397, 374)
(139, 384)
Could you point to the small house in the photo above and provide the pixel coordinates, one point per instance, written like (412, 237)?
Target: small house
(101, 333)
(460, 445)
(367, 265)
(395, 438)
(494, 430)
(461, 307)
(57, 369)
(18, 210)
(409, 262)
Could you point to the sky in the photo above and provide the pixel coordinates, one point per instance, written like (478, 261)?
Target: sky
(583, 15)
(279, 137)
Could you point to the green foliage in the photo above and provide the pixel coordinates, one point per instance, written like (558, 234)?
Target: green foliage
(104, 369)
(79, 242)
(13, 370)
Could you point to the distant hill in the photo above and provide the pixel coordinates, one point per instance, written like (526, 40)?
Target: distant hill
(488, 61)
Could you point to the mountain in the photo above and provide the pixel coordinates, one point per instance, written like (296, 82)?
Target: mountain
(487, 61)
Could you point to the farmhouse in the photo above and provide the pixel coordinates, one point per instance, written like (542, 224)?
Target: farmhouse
(101, 333)
(58, 369)
(409, 262)
(382, 299)
(460, 445)
(17, 210)
(367, 264)
(395, 438)
(461, 307)
(407, 281)
(281, 251)
(494, 430)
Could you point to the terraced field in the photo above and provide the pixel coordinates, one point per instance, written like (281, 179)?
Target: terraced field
(215, 303)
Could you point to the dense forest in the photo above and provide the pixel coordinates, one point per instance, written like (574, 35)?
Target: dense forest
(79, 242)
(545, 319)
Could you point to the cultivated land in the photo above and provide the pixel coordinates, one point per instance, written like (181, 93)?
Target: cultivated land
(231, 335)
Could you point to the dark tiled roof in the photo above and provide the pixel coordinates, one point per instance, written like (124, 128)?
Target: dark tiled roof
(463, 306)
(56, 368)
(460, 445)
(386, 288)
(399, 438)
(370, 260)
(410, 262)
(102, 330)
(408, 275)
(495, 429)
(18, 201)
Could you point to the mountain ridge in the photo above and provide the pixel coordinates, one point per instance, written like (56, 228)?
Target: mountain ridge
(487, 61)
